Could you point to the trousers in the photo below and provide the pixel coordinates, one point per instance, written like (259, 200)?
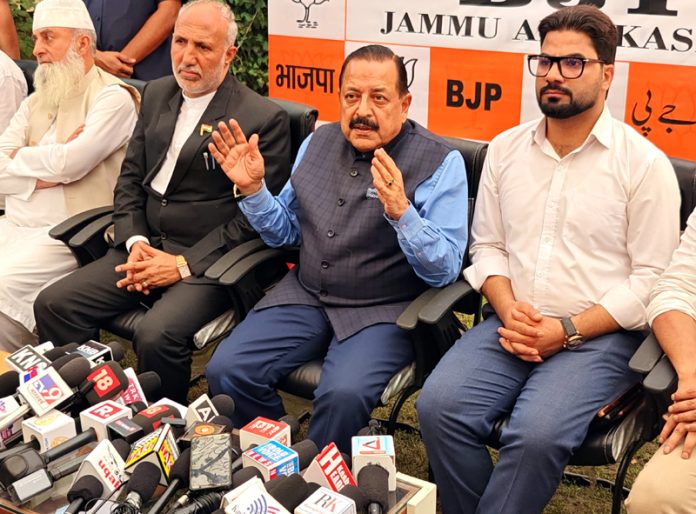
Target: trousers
(271, 343)
(551, 405)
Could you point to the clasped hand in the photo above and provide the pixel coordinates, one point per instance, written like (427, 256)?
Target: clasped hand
(147, 268)
(528, 334)
(681, 419)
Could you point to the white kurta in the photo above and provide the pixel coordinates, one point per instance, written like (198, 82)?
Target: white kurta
(29, 258)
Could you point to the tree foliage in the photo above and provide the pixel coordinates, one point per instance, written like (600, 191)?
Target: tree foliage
(250, 65)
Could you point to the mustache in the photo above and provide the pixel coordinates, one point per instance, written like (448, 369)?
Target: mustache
(193, 68)
(555, 89)
(365, 122)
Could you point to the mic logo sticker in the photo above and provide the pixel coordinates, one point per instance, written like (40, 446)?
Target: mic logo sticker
(105, 411)
(260, 506)
(45, 391)
(105, 381)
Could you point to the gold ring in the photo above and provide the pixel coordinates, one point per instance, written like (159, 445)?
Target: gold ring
(144, 284)
(389, 183)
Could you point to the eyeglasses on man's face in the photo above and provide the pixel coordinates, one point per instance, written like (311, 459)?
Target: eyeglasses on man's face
(570, 67)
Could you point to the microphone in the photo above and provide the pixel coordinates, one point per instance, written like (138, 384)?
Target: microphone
(104, 383)
(39, 481)
(9, 381)
(51, 388)
(83, 490)
(290, 492)
(179, 478)
(244, 475)
(294, 425)
(377, 449)
(98, 353)
(273, 459)
(27, 358)
(350, 500)
(101, 415)
(261, 430)
(140, 488)
(201, 409)
(50, 430)
(140, 387)
(329, 469)
(106, 463)
(204, 504)
(251, 496)
(224, 405)
(159, 448)
(374, 482)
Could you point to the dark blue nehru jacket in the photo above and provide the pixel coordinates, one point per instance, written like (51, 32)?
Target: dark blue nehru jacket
(117, 21)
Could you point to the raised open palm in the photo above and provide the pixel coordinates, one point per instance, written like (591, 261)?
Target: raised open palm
(240, 159)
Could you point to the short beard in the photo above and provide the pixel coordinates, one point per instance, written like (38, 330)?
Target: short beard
(206, 85)
(53, 82)
(563, 111)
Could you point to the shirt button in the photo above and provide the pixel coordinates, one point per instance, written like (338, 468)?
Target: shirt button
(340, 202)
(324, 265)
(163, 235)
(164, 202)
(323, 292)
(331, 233)
(354, 172)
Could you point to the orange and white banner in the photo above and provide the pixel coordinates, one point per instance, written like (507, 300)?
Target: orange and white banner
(466, 60)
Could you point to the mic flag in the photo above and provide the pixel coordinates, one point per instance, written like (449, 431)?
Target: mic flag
(377, 449)
(159, 448)
(328, 469)
(260, 430)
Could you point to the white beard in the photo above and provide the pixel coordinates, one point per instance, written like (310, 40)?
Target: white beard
(53, 82)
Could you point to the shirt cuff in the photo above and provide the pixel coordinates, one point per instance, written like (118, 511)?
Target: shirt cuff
(134, 239)
(410, 223)
(477, 273)
(19, 187)
(670, 301)
(260, 201)
(625, 307)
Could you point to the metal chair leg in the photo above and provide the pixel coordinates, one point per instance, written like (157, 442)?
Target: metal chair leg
(620, 492)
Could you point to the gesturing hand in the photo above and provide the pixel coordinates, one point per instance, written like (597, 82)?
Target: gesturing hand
(389, 183)
(240, 159)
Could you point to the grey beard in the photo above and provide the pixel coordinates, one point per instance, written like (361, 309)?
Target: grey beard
(53, 82)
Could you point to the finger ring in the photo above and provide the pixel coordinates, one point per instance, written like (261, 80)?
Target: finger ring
(389, 183)
(144, 284)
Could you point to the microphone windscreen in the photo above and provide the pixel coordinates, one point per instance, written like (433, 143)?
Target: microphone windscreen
(75, 372)
(144, 480)
(9, 382)
(122, 447)
(150, 383)
(294, 425)
(222, 420)
(274, 482)
(291, 492)
(109, 380)
(64, 359)
(54, 353)
(181, 468)
(150, 419)
(356, 494)
(311, 488)
(223, 404)
(136, 407)
(70, 347)
(117, 351)
(86, 488)
(374, 482)
(244, 475)
(306, 451)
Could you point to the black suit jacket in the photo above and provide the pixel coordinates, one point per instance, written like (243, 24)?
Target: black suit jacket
(197, 216)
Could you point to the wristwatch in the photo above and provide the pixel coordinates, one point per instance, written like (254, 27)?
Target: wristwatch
(183, 267)
(573, 338)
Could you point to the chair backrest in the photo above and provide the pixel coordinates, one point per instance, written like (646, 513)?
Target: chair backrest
(302, 120)
(28, 68)
(474, 153)
(686, 176)
(137, 84)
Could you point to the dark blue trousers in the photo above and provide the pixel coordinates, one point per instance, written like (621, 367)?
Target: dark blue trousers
(551, 404)
(271, 343)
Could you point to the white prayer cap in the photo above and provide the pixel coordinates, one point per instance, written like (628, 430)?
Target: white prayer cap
(71, 14)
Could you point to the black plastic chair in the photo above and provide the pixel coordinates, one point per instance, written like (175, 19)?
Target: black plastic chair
(260, 267)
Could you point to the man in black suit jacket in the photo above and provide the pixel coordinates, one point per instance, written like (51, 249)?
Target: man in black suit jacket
(174, 209)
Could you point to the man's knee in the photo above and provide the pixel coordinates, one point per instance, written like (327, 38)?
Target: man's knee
(50, 301)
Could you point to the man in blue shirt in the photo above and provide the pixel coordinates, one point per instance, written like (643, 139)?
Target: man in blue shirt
(370, 203)
(134, 36)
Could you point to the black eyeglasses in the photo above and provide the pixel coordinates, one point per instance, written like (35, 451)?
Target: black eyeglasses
(570, 67)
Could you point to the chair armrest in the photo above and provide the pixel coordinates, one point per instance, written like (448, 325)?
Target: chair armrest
(409, 318)
(232, 257)
(248, 264)
(662, 378)
(444, 301)
(646, 356)
(90, 243)
(66, 230)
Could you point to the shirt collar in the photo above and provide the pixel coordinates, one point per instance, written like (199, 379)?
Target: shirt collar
(602, 130)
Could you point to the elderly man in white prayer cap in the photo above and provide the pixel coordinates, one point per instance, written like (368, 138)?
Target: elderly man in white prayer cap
(60, 155)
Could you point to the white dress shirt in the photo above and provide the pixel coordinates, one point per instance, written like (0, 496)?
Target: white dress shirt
(108, 126)
(595, 227)
(190, 115)
(675, 290)
(13, 87)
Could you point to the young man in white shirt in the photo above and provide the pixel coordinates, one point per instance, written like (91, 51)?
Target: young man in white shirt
(667, 483)
(60, 155)
(576, 216)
